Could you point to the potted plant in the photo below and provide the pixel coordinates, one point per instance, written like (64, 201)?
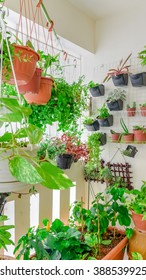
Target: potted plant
(130, 151)
(106, 175)
(5, 237)
(126, 135)
(143, 109)
(139, 79)
(96, 89)
(91, 123)
(139, 133)
(46, 81)
(131, 110)
(115, 99)
(87, 236)
(104, 117)
(136, 203)
(64, 150)
(119, 75)
(93, 162)
(115, 136)
(65, 107)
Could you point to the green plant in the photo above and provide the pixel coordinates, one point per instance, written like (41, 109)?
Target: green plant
(93, 164)
(142, 56)
(136, 200)
(89, 120)
(136, 256)
(142, 104)
(103, 112)
(131, 106)
(5, 235)
(49, 63)
(116, 94)
(138, 127)
(124, 126)
(92, 84)
(65, 107)
(106, 174)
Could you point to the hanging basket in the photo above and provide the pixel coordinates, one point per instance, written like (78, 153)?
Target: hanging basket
(97, 90)
(44, 93)
(93, 126)
(116, 105)
(24, 64)
(138, 80)
(34, 85)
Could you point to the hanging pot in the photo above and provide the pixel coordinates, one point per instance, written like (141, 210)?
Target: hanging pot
(98, 90)
(34, 85)
(130, 151)
(44, 94)
(138, 80)
(120, 80)
(92, 127)
(64, 161)
(103, 139)
(107, 121)
(116, 105)
(24, 64)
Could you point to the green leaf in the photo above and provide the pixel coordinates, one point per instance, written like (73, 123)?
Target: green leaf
(24, 171)
(53, 177)
(106, 242)
(144, 216)
(136, 256)
(34, 133)
(12, 117)
(129, 232)
(6, 137)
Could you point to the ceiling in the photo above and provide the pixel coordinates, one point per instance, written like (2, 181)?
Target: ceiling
(97, 9)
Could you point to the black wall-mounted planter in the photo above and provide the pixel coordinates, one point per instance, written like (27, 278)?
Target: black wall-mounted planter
(97, 90)
(92, 127)
(115, 105)
(120, 80)
(103, 139)
(64, 161)
(130, 151)
(106, 122)
(138, 80)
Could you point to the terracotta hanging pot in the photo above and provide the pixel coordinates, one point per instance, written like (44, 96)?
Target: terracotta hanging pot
(34, 85)
(24, 64)
(44, 93)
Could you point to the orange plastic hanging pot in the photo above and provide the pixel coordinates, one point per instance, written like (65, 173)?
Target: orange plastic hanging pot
(34, 85)
(44, 93)
(24, 63)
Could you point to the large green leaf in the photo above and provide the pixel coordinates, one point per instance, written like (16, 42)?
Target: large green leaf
(12, 117)
(24, 171)
(6, 137)
(53, 177)
(34, 133)
(13, 105)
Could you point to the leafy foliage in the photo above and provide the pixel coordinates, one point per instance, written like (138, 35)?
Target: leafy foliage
(5, 235)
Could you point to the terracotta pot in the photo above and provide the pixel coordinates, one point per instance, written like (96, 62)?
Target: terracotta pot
(44, 93)
(117, 253)
(139, 135)
(137, 243)
(143, 111)
(34, 85)
(24, 70)
(116, 137)
(128, 138)
(131, 112)
(138, 222)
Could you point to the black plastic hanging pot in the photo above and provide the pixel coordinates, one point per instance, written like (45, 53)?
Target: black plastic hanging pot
(116, 105)
(120, 80)
(64, 161)
(107, 121)
(97, 90)
(103, 139)
(138, 80)
(130, 151)
(92, 127)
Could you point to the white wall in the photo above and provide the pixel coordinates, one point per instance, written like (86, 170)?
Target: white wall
(116, 37)
(69, 23)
